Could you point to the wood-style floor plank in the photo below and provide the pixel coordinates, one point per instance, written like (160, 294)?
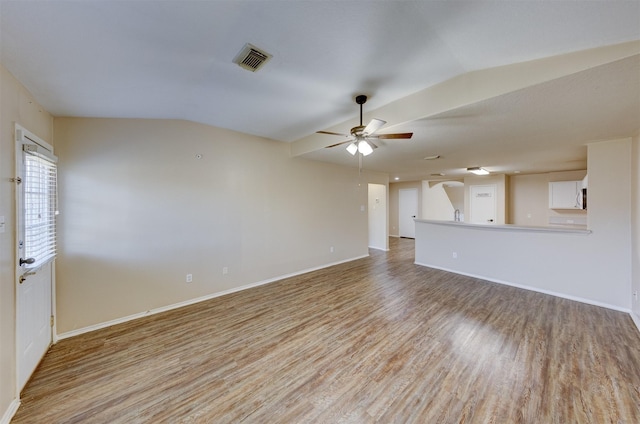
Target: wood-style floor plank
(378, 340)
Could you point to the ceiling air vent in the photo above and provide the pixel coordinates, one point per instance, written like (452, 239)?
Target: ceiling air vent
(251, 58)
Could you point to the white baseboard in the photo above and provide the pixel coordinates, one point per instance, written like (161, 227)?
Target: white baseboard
(378, 248)
(535, 289)
(10, 412)
(636, 319)
(154, 311)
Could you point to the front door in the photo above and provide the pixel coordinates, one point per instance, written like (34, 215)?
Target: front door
(35, 239)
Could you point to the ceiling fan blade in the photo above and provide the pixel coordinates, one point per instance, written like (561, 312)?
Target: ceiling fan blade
(373, 126)
(338, 144)
(331, 133)
(391, 136)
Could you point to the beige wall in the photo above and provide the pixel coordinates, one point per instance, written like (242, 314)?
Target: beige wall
(437, 201)
(394, 195)
(139, 210)
(16, 105)
(610, 185)
(529, 198)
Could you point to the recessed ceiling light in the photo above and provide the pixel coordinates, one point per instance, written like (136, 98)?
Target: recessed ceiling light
(434, 157)
(396, 178)
(478, 171)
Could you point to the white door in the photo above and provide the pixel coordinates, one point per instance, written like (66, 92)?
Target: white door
(35, 238)
(483, 204)
(407, 212)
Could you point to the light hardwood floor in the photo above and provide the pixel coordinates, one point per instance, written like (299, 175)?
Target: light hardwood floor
(375, 340)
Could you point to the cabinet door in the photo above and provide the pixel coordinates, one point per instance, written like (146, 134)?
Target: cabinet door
(565, 195)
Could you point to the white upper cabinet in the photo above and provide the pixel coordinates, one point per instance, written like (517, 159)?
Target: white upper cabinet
(565, 195)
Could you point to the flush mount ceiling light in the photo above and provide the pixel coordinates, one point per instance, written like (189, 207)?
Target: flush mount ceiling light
(478, 171)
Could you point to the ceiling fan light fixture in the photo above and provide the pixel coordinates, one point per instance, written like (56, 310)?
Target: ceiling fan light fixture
(365, 148)
(352, 148)
(478, 171)
(359, 134)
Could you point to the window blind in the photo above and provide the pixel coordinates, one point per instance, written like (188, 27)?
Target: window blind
(40, 203)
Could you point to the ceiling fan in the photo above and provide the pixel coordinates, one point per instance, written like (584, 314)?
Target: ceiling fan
(361, 136)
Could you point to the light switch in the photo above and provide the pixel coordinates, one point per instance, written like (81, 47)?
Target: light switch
(1, 224)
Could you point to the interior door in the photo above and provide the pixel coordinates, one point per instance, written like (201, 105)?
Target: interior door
(407, 212)
(483, 204)
(35, 239)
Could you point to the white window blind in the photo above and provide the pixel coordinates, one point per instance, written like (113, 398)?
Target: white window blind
(40, 203)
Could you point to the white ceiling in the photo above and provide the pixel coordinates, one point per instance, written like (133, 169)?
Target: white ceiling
(173, 59)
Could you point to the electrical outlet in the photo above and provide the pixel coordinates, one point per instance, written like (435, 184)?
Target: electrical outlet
(225, 270)
(331, 249)
(189, 278)
(454, 255)
(635, 295)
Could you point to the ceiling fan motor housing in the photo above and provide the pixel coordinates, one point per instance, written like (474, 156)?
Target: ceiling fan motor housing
(357, 131)
(361, 99)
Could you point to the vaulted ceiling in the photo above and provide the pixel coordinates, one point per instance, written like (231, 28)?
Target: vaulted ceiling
(439, 69)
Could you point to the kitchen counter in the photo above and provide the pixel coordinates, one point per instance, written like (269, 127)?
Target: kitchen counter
(509, 227)
(559, 261)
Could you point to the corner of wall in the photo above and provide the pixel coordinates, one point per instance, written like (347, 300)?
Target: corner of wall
(635, 229)
(10, 412)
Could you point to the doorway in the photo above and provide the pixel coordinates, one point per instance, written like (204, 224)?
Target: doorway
(407, 212)
(378, 238)
(36, 210)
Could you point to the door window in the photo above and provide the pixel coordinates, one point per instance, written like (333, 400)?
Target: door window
(40, 206)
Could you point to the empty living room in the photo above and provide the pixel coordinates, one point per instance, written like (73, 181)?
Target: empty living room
(325, 211)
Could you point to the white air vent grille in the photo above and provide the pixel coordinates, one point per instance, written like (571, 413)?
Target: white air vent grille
(251, 58)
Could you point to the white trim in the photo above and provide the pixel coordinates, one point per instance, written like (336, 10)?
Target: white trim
(22, 133)
(116, 321)
(636, 319)
(54, 314)
(378, 248)
(535, 289)
(10, 412)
